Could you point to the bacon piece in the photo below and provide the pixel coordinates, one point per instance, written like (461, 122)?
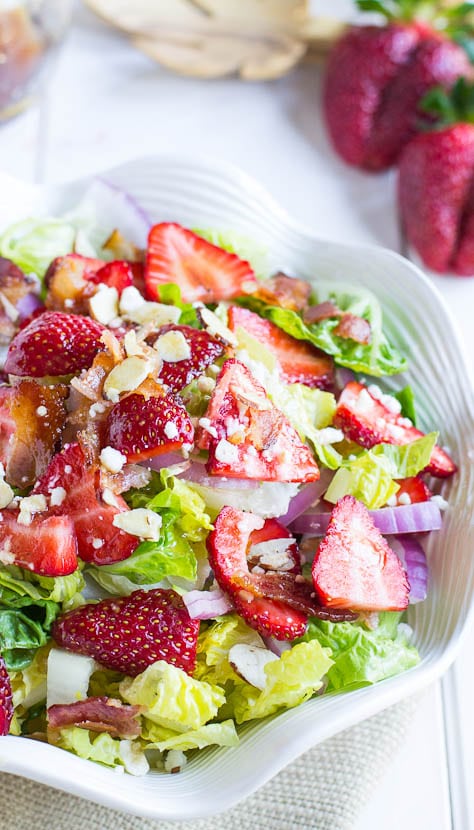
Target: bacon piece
(98, 714)
(287, 292)
(351, 327)
(14, 285)
(32, 418)
(322, 311)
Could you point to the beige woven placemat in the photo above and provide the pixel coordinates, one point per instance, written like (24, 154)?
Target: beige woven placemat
(325, 789)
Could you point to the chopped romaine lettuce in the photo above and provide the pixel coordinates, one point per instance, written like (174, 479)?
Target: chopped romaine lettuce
(171, 698)
(291, 680)
(362, 656)
(33, 243)
(102, 748)
(406, 398)
(370, 476)
(376, 358)
(236, 243)
(220, 734)
(214, 644)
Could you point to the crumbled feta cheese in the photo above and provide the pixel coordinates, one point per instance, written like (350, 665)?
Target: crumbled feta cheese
(67, 468)
(226, 452)
(405, 422)
(29, 506)
(103, 305)
(363, 403)
(57, 496)
(97, 543)
(205, 423)
(112, 459)
(375, 391)
(404, 498)
(392, 501)
(6, 558)
(173, 347)
(126, 376)
(41, 411)
(171, 430)
(139, 522)
(392, 404)
(97, 409)
(329, 435)
(395, 431)
(206, 385)
(232, 425)
(68, 302)
(440, 502)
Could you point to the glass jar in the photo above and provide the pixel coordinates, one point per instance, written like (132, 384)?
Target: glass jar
(29, 34)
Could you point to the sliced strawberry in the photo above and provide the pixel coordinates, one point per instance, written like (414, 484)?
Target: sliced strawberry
(203, 271)
(128, 634)
(299, 361)
(204, 351)
(248, 437)
(47, 546)
(32, 417)
(117, 274)
(367, 421)
(98, 539)
(275, 603)
(415, 488)
(6, 700)
(354, 566)
(142, 426)
(54, 344)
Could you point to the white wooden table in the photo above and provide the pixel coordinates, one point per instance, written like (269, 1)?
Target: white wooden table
(106, 104)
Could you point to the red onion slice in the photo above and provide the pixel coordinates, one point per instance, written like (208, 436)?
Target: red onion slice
(413, 557)
(407, 518)
(206, 605)
(116, 209)
(167, 459)
(277, 646)
(306, 497)
(27, 305)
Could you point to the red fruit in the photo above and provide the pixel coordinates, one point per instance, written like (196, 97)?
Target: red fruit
(128, 634)
(32, 418)
(375, 79)
(203, 271)
(299, 361)
(142, 427)
(98, 539)
(117, 274)
(47, 546)
(415, 488)
(276, 602)
(367, 421)
(248, 437)
(354, 567)
(6, 702)
(270, 531)
(436, 197)
(54, 343)
(204, 351)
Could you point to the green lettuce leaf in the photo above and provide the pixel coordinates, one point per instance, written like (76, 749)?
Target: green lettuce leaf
(29, 684)
(236, 243)
(33, 243)
(291, 680)
(406, 398)
(170, 294)
(185, 524)
(362, 656)
(377, 358)
(102, 748)
(220, 734)
(370, 476)
(171, 698)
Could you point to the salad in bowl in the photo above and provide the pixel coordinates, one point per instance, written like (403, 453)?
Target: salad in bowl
(211, 508)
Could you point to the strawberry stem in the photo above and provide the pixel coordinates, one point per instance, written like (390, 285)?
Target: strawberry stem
(453, 106)
(442, 16)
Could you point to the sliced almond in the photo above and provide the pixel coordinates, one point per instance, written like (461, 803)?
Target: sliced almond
(249, 663)
(126, 376)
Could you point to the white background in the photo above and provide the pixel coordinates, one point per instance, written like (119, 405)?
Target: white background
(107, 104)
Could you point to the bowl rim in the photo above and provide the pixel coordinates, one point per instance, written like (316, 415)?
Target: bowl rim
(33, 766)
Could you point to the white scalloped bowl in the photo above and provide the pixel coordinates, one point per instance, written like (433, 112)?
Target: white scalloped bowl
(207, 194)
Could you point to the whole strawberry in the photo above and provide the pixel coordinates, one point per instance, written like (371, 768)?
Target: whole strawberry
(377, 75)
(128, 634)
(6, 705)
(435, 186)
